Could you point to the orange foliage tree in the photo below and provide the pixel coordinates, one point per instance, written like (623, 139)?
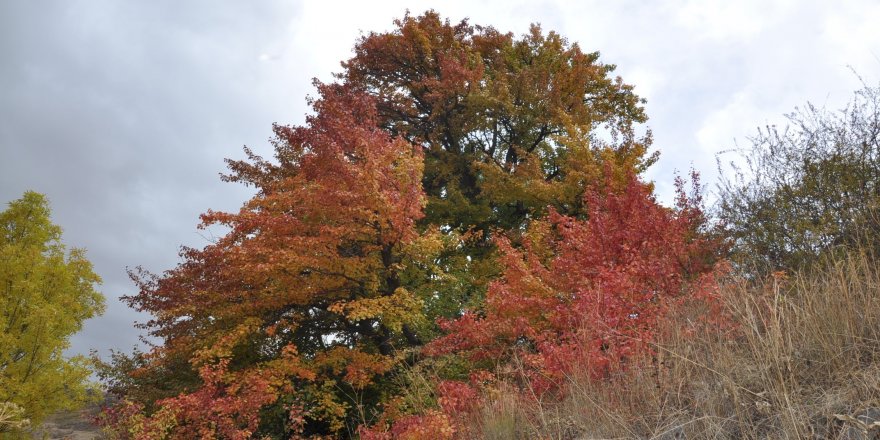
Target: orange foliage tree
(508, 124)
(444, 156)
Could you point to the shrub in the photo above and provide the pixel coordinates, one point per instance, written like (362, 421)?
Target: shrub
(808, 188)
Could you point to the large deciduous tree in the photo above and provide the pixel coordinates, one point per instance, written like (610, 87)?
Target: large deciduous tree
(46, 292)
(377, 217)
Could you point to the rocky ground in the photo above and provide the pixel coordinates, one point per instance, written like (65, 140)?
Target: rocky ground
(72, 425)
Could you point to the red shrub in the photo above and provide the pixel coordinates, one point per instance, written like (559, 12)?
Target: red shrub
(587, 293)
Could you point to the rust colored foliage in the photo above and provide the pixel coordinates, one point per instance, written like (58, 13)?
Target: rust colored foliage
(577, 297)
(587, 294)
(508, 124)
(435, 425)
(304, 288)
(226, 406)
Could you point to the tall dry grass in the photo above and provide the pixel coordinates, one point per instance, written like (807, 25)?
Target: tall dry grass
(801, 360)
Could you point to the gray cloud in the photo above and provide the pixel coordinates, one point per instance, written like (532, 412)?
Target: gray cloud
(122, 112)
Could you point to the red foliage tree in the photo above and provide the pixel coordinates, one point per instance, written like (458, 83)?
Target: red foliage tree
(587, 293)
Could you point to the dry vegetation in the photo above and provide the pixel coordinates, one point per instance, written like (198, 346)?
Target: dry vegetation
(801, 360)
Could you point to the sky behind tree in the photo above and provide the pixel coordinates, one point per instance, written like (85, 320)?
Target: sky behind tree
(122, 112)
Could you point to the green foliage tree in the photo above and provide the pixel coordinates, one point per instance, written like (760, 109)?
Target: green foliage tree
(809, 188)
(47, 293)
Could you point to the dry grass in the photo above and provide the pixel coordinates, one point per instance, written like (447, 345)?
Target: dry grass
(803, 354)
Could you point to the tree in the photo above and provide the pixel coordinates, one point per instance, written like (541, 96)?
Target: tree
(507, 125)
(807, 189)
(48, 292)
(375, 218)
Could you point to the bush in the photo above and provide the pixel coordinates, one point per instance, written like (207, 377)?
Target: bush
(806, 189)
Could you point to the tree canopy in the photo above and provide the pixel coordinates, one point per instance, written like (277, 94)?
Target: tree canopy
(47, 293)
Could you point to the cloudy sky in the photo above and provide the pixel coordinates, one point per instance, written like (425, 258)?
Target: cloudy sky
(123, 111)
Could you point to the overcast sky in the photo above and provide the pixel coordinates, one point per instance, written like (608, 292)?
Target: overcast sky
(123, 111)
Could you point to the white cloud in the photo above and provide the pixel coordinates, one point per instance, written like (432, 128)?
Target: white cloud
(730, 20)
(853, 42)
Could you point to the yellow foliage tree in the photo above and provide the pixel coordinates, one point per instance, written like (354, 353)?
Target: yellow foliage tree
(46, 292)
